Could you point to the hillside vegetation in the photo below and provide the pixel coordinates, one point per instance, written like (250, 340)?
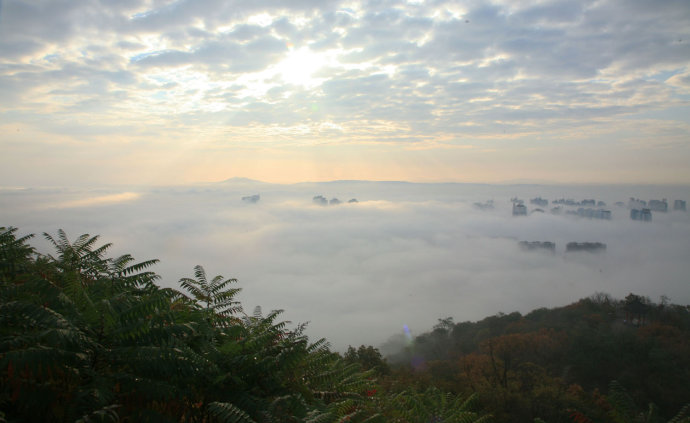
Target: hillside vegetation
(86, 337)
(599, 359)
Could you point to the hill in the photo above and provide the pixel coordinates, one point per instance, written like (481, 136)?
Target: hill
(555, 363)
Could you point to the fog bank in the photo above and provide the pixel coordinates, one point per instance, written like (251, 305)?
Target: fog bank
(402, 254)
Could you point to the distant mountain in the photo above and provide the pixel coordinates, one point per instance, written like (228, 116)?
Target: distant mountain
(364, 181)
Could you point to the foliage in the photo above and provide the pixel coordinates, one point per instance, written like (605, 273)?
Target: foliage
(433, 405)
(85, 337)
(217, 300)
(552, 364)
(369, 358)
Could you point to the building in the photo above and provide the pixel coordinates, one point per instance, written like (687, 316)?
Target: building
(488, 205)
(592, 247)
(636, 203)
(541, 202)
(644, 215)
(320, 200)
(538, 246)
(251, 198)
(603, 214)
(658, 205)
(592, 213)
(519, 209)
(679, 205)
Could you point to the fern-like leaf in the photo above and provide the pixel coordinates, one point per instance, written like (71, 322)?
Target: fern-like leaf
(105, 414)
(225, 412)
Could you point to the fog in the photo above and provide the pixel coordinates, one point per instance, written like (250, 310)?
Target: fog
(403, 254)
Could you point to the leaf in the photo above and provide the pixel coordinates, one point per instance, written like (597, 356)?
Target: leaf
(225, 412)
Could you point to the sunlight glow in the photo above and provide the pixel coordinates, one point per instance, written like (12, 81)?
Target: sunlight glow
(261, 19)
(100, 200)
(299, 66)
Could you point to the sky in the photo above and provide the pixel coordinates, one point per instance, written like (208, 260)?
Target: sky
(403, 255)
(159, 92)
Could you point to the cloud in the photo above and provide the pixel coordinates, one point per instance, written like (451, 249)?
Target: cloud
(404, 254)
(102, 200)
(383, 72)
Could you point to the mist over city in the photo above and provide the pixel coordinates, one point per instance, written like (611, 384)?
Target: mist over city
(402, 254)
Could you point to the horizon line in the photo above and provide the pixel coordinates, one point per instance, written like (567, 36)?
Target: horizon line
(239, 179)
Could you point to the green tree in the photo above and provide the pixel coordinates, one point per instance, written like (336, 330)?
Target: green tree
(88, 337)
(15, 254)
(369, 358)
(216, 298)
(435, 406)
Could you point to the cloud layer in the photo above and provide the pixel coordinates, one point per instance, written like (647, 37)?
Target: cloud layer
(405, 254)
(506, 89)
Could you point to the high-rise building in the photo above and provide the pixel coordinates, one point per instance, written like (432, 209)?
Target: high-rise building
(644, 215)
(592, 247)
(658, 205)
(519, 209)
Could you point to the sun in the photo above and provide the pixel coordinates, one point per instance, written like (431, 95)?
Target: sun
(299, 66)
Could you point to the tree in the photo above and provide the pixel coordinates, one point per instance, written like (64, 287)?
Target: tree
(15, 254)
(80, 340)
(217, 300)
(369, 358)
